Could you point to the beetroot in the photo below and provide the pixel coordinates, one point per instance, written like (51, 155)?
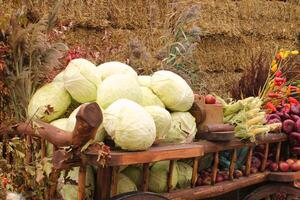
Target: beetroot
(297, 126)
(285, 115)
(295, 135)
(295, 117)
(273, 116)
(295, 109)
(255, 162)
(273, 121)
(288, 126)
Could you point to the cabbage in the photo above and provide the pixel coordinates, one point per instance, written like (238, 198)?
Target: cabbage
(49, 102)
(69, 191)
(114, 67)
(159, 175)
(100, 134)
(135, 174)
(81, 80)
(129, 125)
(117, 87)
(162, 120)
(173, 90)
(125, 184)
(144, 81)
(149, 98)
(183, 128)
(185, 173)
(59, 123)
(59, 77)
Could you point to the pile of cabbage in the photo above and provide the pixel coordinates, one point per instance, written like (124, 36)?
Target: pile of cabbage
(138, 110)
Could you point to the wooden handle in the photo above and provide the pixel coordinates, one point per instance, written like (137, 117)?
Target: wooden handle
(88, 119)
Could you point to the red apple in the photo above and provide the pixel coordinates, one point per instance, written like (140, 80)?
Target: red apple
(210, 99)
(219, 178)
(268, 163)
(274, 167)
(290, 162)
(253, 170)
(295, 167)
(199, 181)
(283, 166)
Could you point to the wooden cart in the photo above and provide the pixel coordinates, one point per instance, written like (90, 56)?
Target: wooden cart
(107, 175)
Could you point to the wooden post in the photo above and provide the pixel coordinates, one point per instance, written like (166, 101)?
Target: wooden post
(170, 174)
(114, 181)
(103, 184)
(215, 168)
(278, 148)
(264, 161)
(145, 177)
(43, 148)
(81, 182)
(249, 158)
(232, 164)
(195, 171)
(53, 181)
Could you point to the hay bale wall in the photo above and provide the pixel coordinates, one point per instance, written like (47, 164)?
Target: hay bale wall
(130, 31)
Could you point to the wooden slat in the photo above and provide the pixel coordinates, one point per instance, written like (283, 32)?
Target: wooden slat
(205, 192)
(114, 180)
(195, 171)
(249, 158)
(284, 176)
(81, 183)
(170, 175)
(264, 161)
(232, 163)
(215, 168)
(278, 148)
(145, 177)
(154, 154)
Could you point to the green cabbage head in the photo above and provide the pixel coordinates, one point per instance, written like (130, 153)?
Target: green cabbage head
(185, 172)
(135, 174)
(118, 86)
(173, 90)
(81, 79)
(183, 128)
(69, 190)
(159, 175)
(49, 102)
(125, 184)
(149, 98)
(162, 119)
(114, 67)
(129, 125)
(144, 80)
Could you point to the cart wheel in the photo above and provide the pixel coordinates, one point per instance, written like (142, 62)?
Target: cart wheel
(276, 191)
(139, 196)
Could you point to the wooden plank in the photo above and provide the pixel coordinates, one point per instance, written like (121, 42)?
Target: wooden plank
(170, 175)
(114, 180)
(195, 171)
(284, 176)
(145, 177)
(264, 161)
(177, 151)
(209, 191)
(210, 147)
(215, 168)
(81, 183)
(232, 164)
(249, 158)
(154, 154)
(278, 148)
